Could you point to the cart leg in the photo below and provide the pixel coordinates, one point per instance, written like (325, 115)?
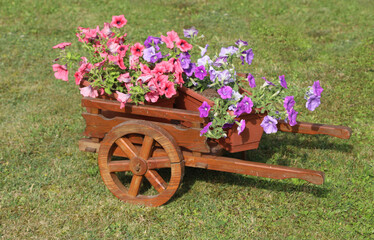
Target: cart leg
(232, 165)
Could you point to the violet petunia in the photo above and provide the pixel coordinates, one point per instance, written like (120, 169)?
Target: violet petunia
(317, 89)
(292, 115)
(220, 61)
(241, 43)
(205, 129)
(268, 82)
(283, 82)
(185, 61)
(225, 92)
(227, 125)
(241, 126)
(247, 56)
(150, 55)
(152, 40)
(204, 60)
(225, 76)
(244, 106)
(288, 103)
(313, 102)
(228, 51)
(204, 109)
(251, 80)
(190, 32)
(212, 74)
(269, 124)
(190, 70)
(236, 95)
(203, 50)
(200, 72)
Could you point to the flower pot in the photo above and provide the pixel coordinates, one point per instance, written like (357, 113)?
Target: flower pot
(248, 139)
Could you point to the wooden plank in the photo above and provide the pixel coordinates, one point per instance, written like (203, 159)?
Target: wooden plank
(188, 138)
(232, 165)
(143, 110)
(314, 128)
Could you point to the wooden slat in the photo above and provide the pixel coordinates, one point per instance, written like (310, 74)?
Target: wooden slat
(189, 138)
(314, 128)
(232, 165)
(143, 110)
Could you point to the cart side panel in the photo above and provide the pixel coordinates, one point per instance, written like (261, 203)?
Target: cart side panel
(188, 138)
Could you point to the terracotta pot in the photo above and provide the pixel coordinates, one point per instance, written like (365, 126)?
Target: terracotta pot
(248, 139)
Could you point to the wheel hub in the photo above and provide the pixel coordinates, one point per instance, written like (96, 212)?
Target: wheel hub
(138, 166)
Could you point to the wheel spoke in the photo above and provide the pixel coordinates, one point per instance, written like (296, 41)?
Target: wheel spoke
(158, 162)
(135, 185)
(119, 166)
(145, 151)
(127, 147)
(156, 180)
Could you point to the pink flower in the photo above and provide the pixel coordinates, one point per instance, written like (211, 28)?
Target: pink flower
(113, 59)
(177, 66)
(169, 89)
(112, 46)
(122, 98)
(100, 64)
(178, 78)
(161, 82)
(173, 36)
(85, 67)
(159, 69)
(183, 45)
(62, 45)
(168, 41)
(118, 21)
(106, 30)
(89, 92)
(144, 68)
(152, 96)
(61, 72)
(122, 50)
(121, 64)
(134, 60)
(78, 77)
(124, 78)
(137, 49)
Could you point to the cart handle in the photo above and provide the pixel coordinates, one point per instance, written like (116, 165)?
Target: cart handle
(314, 128)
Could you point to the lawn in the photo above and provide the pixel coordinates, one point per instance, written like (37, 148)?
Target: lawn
(51, 190)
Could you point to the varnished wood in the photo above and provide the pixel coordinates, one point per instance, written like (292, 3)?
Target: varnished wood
(173, 159)
(143, 110)
(313, 128)
(188, 138)
(232, 165)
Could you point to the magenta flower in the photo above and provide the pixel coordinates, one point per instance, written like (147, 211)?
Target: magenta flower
(89, 92)
(118, 21)
(247, 56)
(204, 109)
(269, 124)
(61, 72)
(288, 103)
(122, 98)
(62, 45)
(205, 129)
(191, 32)
(241, 126)
(244, 106)
(317, 89)
(313, 102)
(292, 115)
(200, 72)
(225, 92)
(251, 80)
(283, 82)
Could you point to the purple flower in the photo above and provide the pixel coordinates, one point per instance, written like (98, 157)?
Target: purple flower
(289, 102)
(190, 32)
(205, 129)
(313, 102)
(227, 125)
(220, 61)
(156, 57)
(268, 82)
(241, 126)
(247, 56)
(204, 60)
(251, 80)
(236, 95)
(203, 50)
(292, 115)
(185, 61)
(269, 124)
(241, 43)
(200, 72)
(317, 89)
(155, 40)
(228, 51)
(212, 74)
(225, 77)
(283, 81)
(204, 110)
(225, 92)
(190, 70)
(149, 53)
(244, 106)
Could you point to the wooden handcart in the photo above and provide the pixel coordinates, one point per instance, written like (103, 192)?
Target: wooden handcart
(143, 150)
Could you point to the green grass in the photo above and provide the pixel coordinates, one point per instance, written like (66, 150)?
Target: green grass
(49, 189)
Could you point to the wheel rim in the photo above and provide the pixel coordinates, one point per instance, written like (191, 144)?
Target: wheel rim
(142, 164)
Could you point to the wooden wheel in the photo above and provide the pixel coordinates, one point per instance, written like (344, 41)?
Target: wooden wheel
(125, 177)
